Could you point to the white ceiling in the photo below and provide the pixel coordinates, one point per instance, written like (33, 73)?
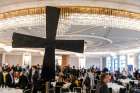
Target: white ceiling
(132, 5)
(98, 38)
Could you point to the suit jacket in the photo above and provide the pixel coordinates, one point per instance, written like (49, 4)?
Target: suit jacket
(23, 81)
(102, 88)
(35, 77)
(1, 78)
(9, 80)
(18, 68)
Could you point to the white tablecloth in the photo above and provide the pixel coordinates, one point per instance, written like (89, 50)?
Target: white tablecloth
(10, 90)
(67, 85)
(126, 81)
(115, 87)
(53, 84)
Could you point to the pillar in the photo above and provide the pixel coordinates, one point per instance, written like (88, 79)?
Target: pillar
(82, 61)
(131, 60)
(103, 62)
(3, 58)
(65, 60)
(27, 59)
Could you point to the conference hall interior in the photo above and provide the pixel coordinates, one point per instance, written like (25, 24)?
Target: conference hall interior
(69, 46)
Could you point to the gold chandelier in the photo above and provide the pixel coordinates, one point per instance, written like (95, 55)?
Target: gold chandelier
(66, 10)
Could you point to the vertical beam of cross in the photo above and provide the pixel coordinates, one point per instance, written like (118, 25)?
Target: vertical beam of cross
(52, 18)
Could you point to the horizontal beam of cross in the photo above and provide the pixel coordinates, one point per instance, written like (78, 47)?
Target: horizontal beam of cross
(26, 41)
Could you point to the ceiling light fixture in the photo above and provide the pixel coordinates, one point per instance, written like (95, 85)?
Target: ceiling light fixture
(8, 48)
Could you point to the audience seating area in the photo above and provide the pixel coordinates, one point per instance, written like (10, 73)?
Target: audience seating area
(67, 80)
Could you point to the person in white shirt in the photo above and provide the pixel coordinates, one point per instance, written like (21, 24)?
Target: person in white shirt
(10, 79)
(124, 72)
(91, 76)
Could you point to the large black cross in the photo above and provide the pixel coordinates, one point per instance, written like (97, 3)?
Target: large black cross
(49, 43)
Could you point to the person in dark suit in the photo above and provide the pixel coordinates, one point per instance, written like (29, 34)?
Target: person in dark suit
(102, 86)
(1, 78)
(23, 80)
(10, 79)
(35, 77)
(18, 68)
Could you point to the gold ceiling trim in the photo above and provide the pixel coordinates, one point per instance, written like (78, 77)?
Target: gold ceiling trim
(22, 12)
(101, 11)
(67, 10)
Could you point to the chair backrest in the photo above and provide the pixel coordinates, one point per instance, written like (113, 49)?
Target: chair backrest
(132, 83)
(127, 86)
(51, 90)
(77, 89)
(57, 89)
(110, 90)
(92, 90)
(27, 91)
(64, 90)
(122, 90)
(137, 91)
(95, 81)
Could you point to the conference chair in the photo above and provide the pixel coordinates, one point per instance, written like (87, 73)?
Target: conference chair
(77, 89)
(51, 90)
(122, 90)
(64, 90)
(57, 89)
(110, 90)
(92, 90)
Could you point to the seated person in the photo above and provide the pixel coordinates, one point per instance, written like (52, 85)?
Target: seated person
(102, 86)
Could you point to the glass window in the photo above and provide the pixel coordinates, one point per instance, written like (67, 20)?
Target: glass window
(115, 63)
(122, 61)
(139, 61)
(109, 63)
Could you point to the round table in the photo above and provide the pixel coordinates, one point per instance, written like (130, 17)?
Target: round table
(126, 81)
(115, 87)
(10, 90)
